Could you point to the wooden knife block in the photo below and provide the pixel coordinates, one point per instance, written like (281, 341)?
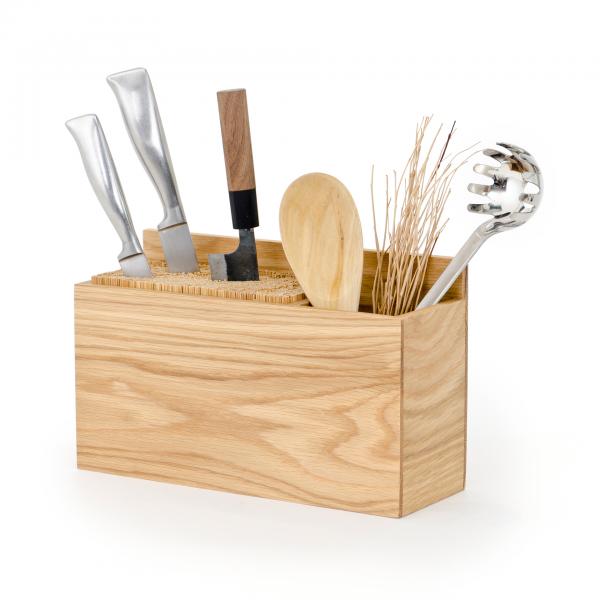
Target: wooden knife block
(354, 411)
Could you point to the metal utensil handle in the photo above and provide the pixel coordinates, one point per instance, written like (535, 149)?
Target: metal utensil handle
(103, 176)
(136, 99)
(455, 267)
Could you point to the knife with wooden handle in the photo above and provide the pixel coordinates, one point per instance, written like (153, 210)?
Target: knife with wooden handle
(242, 263)
(104, 178)
(136, 99)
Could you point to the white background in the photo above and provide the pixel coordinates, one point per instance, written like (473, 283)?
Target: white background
(332, 87)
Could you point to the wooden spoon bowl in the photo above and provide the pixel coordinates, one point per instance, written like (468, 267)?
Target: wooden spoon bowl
(322, 240)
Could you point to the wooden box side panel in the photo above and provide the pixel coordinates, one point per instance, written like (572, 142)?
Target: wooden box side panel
(434, 404)
(272, 257)
(281, 402)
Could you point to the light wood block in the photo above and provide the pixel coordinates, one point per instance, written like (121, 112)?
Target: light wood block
(346, 410)
(272, 257)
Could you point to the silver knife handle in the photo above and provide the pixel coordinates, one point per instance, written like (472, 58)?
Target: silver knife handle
(136, 99)
(103, 176)
(456, 266)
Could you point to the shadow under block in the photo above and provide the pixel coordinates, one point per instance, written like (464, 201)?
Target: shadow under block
(354, 411)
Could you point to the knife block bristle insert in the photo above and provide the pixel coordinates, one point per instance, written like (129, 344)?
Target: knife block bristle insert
(345, 410)
(277, 287)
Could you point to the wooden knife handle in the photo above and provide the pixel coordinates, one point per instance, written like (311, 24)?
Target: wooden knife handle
(237, 146)
(239, 164)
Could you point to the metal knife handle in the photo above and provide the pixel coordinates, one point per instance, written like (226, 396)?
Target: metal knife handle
(103, 176)
(136, 99)
(456, 266)
(239, 164)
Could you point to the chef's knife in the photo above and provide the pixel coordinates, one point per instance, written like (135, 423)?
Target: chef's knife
(242, 263)
(135, 95)
(103, 176)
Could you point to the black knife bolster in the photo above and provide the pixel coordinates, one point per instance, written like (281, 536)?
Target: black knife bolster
(244, 209)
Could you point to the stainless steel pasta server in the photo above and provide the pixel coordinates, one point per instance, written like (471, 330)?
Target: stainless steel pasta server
(512, 197)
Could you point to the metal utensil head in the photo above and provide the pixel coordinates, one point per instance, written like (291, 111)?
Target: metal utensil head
(512, 197)
(239, 265)
(178, 248)
(136, 266)
(516, 190)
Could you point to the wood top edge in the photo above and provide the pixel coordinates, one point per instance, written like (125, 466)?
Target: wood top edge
(231, 90)
(88, 285)
(234, 238)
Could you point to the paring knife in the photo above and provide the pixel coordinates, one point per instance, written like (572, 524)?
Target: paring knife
(242, 263)
(103, 176)
(136, 99)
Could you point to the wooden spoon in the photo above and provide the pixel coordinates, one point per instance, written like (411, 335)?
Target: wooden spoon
(322, 240)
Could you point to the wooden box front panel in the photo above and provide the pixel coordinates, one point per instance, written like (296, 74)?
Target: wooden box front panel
(281, 402)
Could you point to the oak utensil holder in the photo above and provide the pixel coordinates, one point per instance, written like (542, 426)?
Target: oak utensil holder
(354, 411)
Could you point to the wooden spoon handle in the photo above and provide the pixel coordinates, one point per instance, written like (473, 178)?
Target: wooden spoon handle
(239, 164)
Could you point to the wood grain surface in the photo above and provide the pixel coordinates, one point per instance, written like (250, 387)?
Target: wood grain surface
(271, 256)
(340, 409)
(434, 402)
(237, 144)
(293, 403)
(322, 239)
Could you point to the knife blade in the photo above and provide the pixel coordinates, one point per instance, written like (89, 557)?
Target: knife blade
(101, 171)
(137, 102)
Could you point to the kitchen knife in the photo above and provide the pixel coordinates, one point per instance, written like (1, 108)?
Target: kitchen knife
(135, 96)
(103, 176)
(241, 264)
